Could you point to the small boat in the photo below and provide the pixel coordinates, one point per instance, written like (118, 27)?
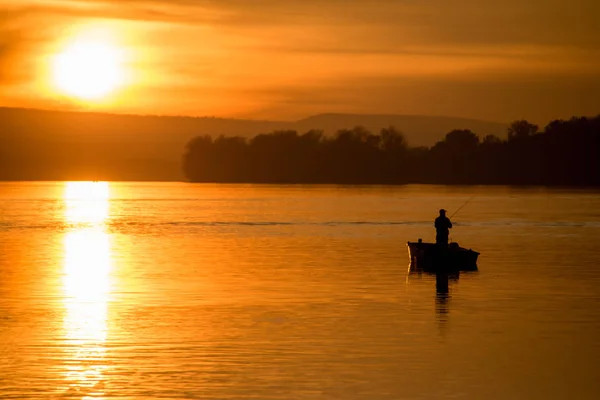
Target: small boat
(431, 257)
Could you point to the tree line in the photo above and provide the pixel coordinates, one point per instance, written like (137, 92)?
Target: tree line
(563, 153)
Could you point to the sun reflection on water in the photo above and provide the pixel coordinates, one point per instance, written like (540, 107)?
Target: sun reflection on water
(86, 286)
(87, 202)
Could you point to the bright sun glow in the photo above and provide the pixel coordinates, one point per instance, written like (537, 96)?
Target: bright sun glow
(88, 69)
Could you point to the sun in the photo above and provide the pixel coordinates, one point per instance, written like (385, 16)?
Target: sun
(88, 69)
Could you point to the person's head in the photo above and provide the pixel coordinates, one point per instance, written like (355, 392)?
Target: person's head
(443, 212)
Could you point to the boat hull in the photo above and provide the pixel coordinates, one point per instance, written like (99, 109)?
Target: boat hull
(431, 257)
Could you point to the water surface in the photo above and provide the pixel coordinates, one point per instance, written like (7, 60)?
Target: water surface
(183, 291)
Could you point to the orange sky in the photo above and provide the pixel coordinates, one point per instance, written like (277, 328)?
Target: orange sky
(282, 59)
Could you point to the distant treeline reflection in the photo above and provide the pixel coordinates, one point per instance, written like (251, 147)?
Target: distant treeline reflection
(564, 153)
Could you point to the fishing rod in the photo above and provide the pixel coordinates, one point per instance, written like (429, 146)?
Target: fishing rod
(461, 207)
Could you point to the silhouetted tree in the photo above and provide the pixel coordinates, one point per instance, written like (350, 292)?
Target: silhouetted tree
(394, 156)
(198, 156)
(491, 140)
(462, 139)
(452, 159)
(565, 153)
(521, 129)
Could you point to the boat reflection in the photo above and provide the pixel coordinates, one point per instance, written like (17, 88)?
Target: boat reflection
(443, 282)
(86, 287)
(442, 296)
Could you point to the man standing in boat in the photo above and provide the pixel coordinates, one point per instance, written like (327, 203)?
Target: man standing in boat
(442, 229)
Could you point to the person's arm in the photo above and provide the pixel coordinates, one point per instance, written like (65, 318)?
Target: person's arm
(449, 223)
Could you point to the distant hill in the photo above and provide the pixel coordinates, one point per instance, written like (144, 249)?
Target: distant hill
(40, 144)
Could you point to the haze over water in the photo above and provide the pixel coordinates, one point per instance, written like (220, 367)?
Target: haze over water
(182, 291)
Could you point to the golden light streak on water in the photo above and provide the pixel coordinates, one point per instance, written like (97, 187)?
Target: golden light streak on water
(86, 287)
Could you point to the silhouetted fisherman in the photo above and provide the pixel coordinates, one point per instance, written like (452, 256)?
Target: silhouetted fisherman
(442, 229)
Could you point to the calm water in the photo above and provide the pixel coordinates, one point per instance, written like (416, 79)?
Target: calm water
(181, 291)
